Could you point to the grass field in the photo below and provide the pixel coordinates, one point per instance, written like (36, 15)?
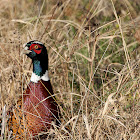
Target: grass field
(94, 57)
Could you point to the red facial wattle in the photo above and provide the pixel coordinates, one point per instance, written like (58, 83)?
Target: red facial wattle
(37, 51)
(36, 48)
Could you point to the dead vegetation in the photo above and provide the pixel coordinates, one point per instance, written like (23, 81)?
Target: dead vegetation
(94, 61)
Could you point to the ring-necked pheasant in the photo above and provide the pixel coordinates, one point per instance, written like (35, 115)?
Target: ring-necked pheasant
(35, 111)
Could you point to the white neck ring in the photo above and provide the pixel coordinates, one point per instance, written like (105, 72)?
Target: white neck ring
(35, 78)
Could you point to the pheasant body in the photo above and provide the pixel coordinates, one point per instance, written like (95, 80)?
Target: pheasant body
(38, 108)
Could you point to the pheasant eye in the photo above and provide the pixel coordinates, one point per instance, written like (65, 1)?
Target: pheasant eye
(36, 47)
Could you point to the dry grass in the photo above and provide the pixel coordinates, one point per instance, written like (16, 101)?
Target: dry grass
(93, 63)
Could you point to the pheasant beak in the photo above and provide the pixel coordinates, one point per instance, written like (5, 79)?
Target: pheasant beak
(25, 50)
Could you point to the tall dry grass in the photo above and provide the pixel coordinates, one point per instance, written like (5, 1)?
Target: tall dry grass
(93, 63)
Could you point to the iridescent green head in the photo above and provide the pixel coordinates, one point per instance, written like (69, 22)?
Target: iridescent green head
(38, 53)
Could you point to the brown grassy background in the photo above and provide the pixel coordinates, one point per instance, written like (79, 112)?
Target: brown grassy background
(93, 48)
